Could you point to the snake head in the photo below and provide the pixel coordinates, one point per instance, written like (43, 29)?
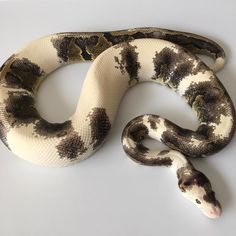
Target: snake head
(196, 187)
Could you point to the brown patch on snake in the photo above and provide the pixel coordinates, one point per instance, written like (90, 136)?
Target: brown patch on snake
(116, 38)
(100, 126)
(122, 36)
(74, 48)
(181, 140)
(24, 74)
(172, 66)
(81, 47)
(189, 176)
(195, 45)
(85, 42)
(210, 197)
(3, 134)
(137, 131)
(67, 50)
(48, 130)
(158, 161)
(71, 147)
(153, 120)
(129, 61)
(208, 99)
(139, 154)
(102, 45)
(20, 109)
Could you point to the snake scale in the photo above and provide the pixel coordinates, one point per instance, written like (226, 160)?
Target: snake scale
(121, 60)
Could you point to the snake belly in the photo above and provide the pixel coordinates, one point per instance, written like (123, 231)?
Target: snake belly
(116, 69)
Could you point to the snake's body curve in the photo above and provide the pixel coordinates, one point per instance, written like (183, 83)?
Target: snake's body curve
(123, 58)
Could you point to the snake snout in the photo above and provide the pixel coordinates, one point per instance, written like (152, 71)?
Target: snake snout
(214, 212)
(197, 188)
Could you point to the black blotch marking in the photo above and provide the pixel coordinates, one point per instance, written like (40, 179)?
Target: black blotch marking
(130, 124)
(66, 48)
(47, 129)
(83, 43)
(153, 121)
(174, 141)
(208, 144)
(20, 109)
(138, 132)
(141, 149)
(101, 45)
(139, 153)
(115, 39)
(74, 48)
(188, 177)
(100, 126)
(183, 69)
(204, 131)
(172, 66)
(163, 161)
(122, 36)
(187, 181)
(192, 43)
(201, 179)
(129, 61)
(195, 44)
(210, 197)
(179, 139)
(209, 100)
(71, 147)
(24, 74)
(163, 62)
(3, 134)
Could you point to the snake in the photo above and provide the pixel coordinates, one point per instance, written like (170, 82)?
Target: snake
(121, 59)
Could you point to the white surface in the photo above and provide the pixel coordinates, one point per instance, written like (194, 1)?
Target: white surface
(108, 194)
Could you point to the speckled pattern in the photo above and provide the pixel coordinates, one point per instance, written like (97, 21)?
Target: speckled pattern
(121, 60)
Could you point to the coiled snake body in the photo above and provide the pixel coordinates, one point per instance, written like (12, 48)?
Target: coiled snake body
(123, 59)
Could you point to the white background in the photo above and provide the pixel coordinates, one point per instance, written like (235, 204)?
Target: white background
(108, 194)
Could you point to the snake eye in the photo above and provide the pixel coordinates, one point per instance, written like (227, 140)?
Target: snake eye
(197, 201)
(187, 183)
